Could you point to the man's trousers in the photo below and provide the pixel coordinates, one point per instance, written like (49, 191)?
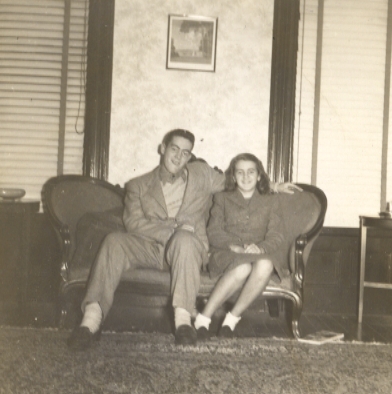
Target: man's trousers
(184, 255)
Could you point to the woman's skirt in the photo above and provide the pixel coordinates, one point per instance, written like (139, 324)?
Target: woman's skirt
(222, 261)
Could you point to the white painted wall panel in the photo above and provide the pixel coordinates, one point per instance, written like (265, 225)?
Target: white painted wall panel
(227, 110)
(304, 114)
(351, 109)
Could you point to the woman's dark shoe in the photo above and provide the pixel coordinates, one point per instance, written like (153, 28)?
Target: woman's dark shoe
(82, 338)
(186, 335)
(226, 332)
(203, 334)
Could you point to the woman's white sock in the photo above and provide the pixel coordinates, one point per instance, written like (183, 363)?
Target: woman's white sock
(231, 321)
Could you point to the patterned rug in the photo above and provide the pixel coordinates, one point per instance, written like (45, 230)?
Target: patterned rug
(37, 361)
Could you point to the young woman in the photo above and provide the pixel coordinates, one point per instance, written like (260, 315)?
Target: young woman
(243, 234)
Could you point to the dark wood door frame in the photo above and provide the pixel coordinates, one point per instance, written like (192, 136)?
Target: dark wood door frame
(98, 88)
(282, 96)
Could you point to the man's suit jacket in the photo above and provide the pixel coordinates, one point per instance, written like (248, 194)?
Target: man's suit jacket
(145, 212)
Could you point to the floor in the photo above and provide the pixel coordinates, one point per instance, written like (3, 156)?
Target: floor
(372, 329)
(255, 323)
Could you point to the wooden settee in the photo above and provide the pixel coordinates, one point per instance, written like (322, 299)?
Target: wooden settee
(84, 209)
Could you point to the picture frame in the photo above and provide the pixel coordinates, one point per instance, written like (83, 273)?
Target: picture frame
(191, 43)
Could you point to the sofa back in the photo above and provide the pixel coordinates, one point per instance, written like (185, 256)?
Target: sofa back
(85, 209)
(302, 214)
(67, 198)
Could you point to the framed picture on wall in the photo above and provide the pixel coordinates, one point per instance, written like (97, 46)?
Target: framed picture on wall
(191, 43)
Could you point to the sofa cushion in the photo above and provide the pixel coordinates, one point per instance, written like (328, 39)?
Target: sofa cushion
(157, 282)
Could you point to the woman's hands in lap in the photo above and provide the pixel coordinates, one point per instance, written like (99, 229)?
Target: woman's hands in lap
(252, 248)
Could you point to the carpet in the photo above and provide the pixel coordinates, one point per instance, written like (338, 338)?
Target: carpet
(37, 361)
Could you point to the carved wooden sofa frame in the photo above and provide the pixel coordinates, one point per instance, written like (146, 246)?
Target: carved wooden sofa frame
(83, 210)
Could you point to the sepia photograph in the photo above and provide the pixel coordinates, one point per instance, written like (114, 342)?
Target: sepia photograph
(194, 207)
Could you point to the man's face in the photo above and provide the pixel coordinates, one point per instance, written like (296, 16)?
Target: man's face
(176, 154)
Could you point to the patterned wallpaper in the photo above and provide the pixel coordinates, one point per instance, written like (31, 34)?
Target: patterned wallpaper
(227, 110)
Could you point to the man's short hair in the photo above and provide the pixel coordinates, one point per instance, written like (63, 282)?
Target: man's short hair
(178, 133)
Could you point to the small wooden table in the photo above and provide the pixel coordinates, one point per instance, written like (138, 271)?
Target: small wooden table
(365, 222)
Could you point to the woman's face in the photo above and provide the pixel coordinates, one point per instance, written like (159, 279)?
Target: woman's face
(246, 177)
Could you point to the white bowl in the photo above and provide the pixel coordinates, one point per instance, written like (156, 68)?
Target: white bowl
(11, 194)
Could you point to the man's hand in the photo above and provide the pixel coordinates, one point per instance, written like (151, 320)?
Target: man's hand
(237, 249)
(286, 187)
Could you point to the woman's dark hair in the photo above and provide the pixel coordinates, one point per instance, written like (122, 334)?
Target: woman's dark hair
(178, 133)
(263, 185)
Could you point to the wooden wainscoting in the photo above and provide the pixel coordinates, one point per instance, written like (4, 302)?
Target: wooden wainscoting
(331, 283)
(39, 281)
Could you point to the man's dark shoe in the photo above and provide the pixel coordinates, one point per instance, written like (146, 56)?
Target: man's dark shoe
(226, 332)
(203, 334)
(186, 335)
(82, 338)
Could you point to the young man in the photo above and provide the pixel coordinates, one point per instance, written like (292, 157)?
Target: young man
(165, 215)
